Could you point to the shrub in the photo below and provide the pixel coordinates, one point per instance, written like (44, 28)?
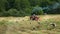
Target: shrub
(37, 10)
(12, 12)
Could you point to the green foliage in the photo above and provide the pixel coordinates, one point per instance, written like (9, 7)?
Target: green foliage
(13, 12)
(28, 11)
(37, 10)
(24, 7)
(40, 12)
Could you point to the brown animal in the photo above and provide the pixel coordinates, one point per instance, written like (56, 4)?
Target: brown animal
(34, 17)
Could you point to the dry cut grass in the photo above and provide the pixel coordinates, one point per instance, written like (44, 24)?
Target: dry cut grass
(23, 25)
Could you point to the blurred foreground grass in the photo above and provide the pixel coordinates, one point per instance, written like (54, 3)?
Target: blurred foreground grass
(22, 25)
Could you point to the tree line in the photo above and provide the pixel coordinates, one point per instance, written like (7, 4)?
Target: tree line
(25, 7)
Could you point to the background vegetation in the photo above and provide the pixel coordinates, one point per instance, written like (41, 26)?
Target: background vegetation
(25, 7)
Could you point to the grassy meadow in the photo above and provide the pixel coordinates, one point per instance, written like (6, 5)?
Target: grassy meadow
(23, 25)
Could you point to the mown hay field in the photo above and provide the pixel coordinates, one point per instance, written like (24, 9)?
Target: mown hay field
(23, 25)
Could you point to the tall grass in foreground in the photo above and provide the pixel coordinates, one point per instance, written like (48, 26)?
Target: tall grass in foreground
(3, 27)
(30, 27)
